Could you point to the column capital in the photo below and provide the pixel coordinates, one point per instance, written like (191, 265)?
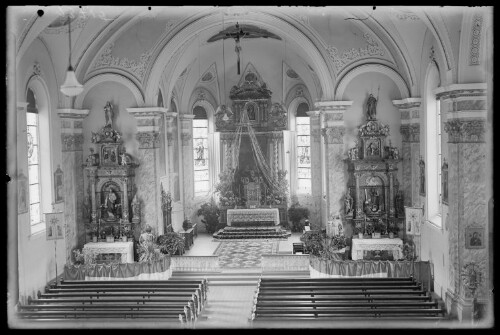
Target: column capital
(312, 114)
(184, 117)
(410, 132)
(465, 130)
(333, 135)
(147, 112)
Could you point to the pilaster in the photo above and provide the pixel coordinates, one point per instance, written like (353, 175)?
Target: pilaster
(150, 125)
(465, 109)
(333, 130)
(71, 165)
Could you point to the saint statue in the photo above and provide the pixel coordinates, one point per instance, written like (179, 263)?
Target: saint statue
(146, 237)
(251, 112)
(110, 204)
(108, 114)
(348, 203)
(371, 105)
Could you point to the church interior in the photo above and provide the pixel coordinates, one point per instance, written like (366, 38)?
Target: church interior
(249, 167)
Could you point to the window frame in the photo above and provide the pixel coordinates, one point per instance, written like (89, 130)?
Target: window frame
(206, 156)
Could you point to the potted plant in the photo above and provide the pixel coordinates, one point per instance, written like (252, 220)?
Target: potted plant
(78, 257)
(378, 227)
(210, 213)
(187, 224)
(393, 230)
(296, 213)
(171, 243)
(314, 241)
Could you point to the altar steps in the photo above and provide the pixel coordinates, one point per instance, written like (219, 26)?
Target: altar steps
(238, 277)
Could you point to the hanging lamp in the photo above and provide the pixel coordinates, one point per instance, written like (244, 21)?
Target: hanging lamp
(71, 86)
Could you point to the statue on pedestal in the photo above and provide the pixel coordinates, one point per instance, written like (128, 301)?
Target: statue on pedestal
(348, 201)
(108, 114)
(371, 105)
(136, 208)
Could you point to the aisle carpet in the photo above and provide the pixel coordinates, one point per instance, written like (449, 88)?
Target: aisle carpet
(244, 254)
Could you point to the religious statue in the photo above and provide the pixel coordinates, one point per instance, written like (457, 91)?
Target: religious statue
(395, 153)
(124, 159)
(348, 203)
(136, 207)
(371, 105)
(146, 236)
(251, 112)
(373, 148)
(108, 114)
(92, 159)
(110, 205)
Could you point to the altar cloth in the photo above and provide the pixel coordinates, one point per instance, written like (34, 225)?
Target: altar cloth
(126, 249)
(253, 215)
(394, 245)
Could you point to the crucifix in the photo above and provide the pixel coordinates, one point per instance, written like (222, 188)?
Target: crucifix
(237, 32)
(236, 35)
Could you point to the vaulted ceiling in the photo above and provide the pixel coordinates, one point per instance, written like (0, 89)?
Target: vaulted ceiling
(166, 48)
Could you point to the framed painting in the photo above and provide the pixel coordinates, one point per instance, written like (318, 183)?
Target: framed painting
(58, 185)
(109, 155)
(474, 237)
(444, 182)
(422, 177)
(22, 193)
(54, 226)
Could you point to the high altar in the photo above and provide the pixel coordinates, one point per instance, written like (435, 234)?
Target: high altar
(247, 186)
(373, 189)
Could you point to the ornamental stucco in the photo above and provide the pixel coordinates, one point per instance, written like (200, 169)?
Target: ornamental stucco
(475, 40)
(136, 67)
(471, 130)
(333, 134)
(72, 142)
(341, 59)
(148, 139)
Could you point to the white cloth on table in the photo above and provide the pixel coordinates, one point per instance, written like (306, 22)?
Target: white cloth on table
(126, 249)
(393, 244)
(253, 215)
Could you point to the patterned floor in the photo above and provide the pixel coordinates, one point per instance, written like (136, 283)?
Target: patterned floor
(244, 254)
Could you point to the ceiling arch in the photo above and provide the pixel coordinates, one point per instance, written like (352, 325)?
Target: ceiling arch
(265, 20)
(366, 68)
(89, 84)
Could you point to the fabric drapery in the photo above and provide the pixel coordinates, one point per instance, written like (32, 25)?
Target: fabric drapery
(322, 268)
(123, 271)
(256, 151)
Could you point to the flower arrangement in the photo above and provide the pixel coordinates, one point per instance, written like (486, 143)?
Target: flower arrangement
(78, 257)
(224, 188)
(378, 226)
(210, 213)
(409, 252)
(338, 242)
(314, 241)
(171, 243)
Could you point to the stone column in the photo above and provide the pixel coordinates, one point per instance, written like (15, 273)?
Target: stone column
(333, 131)
(147, 174)
(465, 110)
(318, 190)
(72, 167)
(410, 130)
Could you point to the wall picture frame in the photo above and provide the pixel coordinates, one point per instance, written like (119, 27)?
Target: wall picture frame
(444, 182)
(54, 226)
(58, 185)
(474, 238)
(422, 177)
(22, 193)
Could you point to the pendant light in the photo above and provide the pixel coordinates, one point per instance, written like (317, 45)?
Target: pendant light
(71, 86)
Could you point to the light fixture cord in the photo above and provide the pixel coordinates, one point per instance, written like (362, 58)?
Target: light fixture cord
(69, 34)
(223, 62)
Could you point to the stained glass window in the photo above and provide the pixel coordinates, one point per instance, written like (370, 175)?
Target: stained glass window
(200, 151)
(33, 142)
(303, 154)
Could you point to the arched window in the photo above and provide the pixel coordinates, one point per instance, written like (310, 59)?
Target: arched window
(303, 130)
(433, 146)
(200, 151)
(34, 180)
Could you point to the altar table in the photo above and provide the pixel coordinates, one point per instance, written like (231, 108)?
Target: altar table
(253, 215)
(126, 249)
(394, 245)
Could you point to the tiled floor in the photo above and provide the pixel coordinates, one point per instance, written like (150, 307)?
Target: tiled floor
(205, 245)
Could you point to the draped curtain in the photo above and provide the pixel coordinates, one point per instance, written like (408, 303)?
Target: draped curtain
(157, 270)
(322, 268)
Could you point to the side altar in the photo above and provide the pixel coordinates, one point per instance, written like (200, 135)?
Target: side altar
(373, 197)
(111, 208)
(251, 133)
